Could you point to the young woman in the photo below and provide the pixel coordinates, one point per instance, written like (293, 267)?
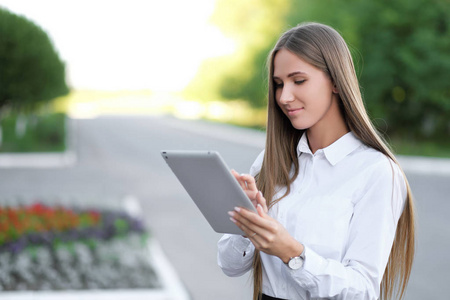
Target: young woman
(335, 212)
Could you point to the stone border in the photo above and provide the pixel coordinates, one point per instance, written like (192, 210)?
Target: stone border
(425, 165)
(46, 160)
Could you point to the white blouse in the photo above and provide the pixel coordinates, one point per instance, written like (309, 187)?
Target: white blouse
(343, 207)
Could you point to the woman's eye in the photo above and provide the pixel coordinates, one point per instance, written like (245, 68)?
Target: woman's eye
(299, 81)
(278, 85)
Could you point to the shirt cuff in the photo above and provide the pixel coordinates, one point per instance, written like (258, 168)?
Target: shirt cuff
(241, 244)
(312, 263)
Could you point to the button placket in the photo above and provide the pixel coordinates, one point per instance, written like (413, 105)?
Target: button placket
(306, 178)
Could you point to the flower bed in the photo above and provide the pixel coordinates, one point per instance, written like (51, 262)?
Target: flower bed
(57, 248)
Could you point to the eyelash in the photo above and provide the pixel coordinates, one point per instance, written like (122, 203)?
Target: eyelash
(298, 82)
(278, 85)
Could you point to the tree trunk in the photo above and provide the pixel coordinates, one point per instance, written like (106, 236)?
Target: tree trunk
(21, 125)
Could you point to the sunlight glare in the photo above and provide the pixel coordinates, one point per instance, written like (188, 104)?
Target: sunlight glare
(189, 110)
(118, 44)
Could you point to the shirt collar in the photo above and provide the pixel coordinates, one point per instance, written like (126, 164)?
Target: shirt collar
(336, 151)
(303, 145)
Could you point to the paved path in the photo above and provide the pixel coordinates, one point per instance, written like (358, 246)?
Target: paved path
(118, 156)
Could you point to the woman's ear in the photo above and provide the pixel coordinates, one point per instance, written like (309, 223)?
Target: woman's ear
(335, 90)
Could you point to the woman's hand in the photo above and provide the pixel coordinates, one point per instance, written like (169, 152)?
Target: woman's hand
(248, 184)
(266, 233)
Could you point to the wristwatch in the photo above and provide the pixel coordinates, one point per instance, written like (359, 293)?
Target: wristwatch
(296, 262)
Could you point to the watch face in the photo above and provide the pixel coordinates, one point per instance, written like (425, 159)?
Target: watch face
(295, 263)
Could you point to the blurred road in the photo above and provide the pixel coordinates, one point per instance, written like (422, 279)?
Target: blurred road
(118, 156)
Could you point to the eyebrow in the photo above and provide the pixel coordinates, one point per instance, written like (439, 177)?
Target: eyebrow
(292, 74)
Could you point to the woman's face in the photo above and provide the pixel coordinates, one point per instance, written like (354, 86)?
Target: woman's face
(303, 92)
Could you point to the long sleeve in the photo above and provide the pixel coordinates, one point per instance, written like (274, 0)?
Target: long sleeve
(235, 254)
(372, 228)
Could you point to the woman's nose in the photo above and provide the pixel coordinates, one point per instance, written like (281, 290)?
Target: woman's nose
(286, 95)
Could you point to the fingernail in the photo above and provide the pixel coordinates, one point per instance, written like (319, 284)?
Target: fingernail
(259, 205)
(231, 213)
(237, 209)
(261, 194)
(233, 220)
(242, 174)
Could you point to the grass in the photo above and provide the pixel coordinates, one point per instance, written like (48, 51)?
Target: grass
(41, 133)
(432, 148)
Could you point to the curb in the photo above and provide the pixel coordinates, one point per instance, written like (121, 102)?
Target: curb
(173, 289)
(425, 165)
(38, 160)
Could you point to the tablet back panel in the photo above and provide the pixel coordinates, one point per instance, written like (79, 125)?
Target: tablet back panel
(210, 184)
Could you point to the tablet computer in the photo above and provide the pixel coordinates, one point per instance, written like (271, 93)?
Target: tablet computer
(210, 184)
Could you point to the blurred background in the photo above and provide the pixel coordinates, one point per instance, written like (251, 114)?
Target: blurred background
(108, 84)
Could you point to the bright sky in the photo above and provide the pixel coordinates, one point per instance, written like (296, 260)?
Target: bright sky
(128, 44)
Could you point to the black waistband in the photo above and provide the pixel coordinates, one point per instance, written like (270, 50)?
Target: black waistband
(265, 297)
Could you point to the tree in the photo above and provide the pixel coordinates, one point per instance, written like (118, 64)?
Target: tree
(31, 71)
(406, 46)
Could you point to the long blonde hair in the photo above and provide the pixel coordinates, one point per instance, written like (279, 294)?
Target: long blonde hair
(324, 48)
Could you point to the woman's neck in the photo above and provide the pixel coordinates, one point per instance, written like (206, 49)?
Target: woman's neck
(322, 141)
(320, 137)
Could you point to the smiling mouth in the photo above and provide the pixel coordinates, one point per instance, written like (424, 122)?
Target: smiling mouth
(294, 111)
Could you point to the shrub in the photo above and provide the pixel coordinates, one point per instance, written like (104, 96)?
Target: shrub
(31, 71)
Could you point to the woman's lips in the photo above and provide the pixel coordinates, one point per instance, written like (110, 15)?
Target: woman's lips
(292, 112)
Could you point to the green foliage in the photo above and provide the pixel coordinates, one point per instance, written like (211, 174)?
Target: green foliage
(121, 226)
(253, 88)
(422, 147)
(43, 134)
(401, 51)
(406, 50)
(30, 70)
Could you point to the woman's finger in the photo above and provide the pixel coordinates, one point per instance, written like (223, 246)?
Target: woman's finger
(247, 184)
(253, 221)
(247, 231)
(250, 181)
(239, 180)
(261, 200)
(254, 234)
(251, 196)
(256, 239)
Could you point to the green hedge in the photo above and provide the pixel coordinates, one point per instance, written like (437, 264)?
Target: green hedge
(31, 71)
(44, 133)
